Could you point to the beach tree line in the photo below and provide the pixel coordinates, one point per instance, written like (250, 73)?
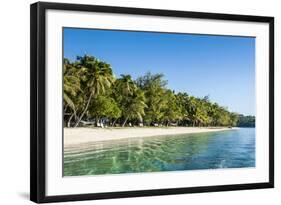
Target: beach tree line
(92, 95)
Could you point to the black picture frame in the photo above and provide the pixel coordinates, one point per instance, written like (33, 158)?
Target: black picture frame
(38, 101)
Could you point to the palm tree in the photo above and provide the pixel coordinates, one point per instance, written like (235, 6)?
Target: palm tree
(135, 106)
(172, 111)
(126, 85)
(154, 87)
(71, 84)
(192, 110)
(71, 87)
(130, 98)
(98, 78)
(183, 101)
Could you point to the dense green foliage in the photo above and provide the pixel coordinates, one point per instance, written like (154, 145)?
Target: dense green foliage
(246, 121)
(92, 95)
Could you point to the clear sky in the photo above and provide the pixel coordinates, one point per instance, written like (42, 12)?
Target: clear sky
(222, 67)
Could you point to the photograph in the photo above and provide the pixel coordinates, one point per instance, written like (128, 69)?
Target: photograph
(143, 101)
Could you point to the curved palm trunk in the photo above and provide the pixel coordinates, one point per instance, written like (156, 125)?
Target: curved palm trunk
(84, 111)
(72, 115)
(125, 121)
(113, 124)
(69, 120)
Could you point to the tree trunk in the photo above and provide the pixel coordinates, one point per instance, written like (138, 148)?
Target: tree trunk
(83, 113)
(125, 122)
(113, 124)
(65, 107)
(97, 121)
(69, 120)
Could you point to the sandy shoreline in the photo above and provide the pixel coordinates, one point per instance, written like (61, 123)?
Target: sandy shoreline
(75, 136)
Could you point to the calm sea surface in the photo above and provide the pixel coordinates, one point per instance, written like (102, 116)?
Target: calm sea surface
(224, 149)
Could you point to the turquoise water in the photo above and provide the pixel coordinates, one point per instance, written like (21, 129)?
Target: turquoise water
(224, 149)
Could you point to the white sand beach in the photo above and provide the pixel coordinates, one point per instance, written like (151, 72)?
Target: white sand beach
(75, 136)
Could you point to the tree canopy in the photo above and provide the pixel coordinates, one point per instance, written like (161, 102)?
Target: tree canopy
(93, 94)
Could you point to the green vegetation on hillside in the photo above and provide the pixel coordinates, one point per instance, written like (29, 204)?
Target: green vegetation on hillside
(246, 121)
(93, 96)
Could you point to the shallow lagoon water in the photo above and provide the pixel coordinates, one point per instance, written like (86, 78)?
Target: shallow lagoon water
(212, 150)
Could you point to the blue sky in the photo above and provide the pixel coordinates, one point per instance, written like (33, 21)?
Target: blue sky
(222, 67)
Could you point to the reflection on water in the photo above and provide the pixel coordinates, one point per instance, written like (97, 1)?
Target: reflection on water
(225, 149)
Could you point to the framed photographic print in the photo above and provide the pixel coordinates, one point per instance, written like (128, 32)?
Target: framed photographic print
(129, 102)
